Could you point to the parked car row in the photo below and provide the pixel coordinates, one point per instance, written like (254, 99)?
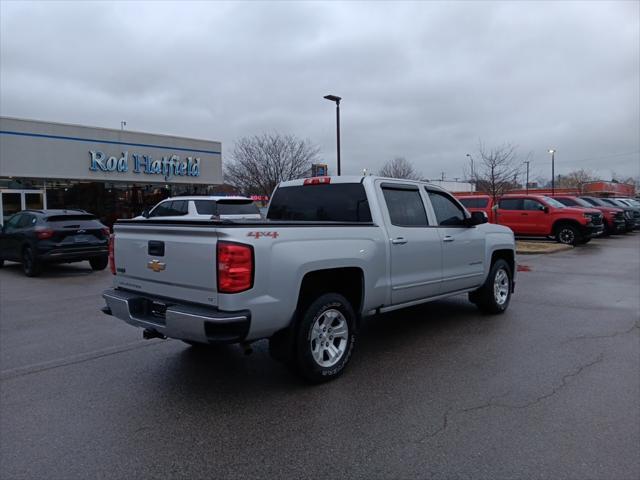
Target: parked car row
(569, 219)
(36, 238)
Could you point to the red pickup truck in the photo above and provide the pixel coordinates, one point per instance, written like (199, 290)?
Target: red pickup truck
(613, 218)
(539, 216)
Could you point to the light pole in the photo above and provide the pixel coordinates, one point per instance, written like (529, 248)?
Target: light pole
(553, 170)
(527, 184)
(336, 99)
(472, 173)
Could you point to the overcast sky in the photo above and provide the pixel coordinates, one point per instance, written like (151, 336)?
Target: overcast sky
(421, 80)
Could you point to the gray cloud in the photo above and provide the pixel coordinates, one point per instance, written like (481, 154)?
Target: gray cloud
(421, 80)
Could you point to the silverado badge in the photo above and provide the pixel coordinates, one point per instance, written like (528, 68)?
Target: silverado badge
(156, 265)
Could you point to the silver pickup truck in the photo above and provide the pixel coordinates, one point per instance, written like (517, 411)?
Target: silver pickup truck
(332, 251)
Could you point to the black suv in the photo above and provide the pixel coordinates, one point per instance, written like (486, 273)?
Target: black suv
(36, 237)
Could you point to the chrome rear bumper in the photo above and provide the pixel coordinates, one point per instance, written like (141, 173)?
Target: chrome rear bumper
(177, 320)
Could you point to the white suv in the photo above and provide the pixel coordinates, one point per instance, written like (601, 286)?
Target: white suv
(205, 207)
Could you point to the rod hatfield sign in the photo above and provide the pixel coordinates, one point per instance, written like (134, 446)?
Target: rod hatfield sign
(167, 166)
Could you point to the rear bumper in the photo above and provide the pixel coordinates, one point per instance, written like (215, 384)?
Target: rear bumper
(177, 320)
(70, 254)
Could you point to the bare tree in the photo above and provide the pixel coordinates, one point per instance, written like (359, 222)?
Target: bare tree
(574, 179)
(260, 162)
(497, 169)
(399, 167)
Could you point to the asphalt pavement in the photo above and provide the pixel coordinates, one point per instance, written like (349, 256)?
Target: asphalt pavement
(551, 389)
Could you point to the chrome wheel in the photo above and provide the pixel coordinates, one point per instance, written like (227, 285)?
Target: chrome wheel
(329, 336)
(501, 287)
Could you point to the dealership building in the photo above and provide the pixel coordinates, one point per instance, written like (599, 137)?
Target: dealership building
(113, 173)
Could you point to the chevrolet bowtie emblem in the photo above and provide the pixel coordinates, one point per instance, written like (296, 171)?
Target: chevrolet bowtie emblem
(156, 266)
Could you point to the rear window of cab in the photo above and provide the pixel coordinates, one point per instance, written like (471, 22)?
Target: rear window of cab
(338, 202)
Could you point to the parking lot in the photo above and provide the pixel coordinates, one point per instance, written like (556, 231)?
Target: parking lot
(548, 390)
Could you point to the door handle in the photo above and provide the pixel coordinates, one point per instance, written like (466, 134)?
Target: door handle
(399, 241)
(448, 238)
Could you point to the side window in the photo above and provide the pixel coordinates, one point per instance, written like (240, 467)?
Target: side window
(510, 204)
(12, 223)
(164, 209)
(405, 206)
(530, 204)
(567, 201)
(448, 212)
(26, 221)
(180, 207)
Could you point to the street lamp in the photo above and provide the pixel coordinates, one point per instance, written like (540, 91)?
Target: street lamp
(336, 99)
(527, 184)
(553, 170)
(472, 173)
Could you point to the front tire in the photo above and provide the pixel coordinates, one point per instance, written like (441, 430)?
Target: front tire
(99, 263)
(494, 296)
(30, 264)
(568, 234)
(325, 338)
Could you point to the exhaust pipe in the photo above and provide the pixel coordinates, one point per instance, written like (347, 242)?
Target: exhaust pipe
(149, 333)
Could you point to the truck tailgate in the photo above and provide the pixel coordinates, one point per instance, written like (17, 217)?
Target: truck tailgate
(168, 261)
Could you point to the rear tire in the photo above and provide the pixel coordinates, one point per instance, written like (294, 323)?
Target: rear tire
(30, 264)
(567, 234)
(325, 338)
(99, 263)
(494, 296)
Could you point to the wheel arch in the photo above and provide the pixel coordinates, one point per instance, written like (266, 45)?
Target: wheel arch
(565, 221)
(508, 256)
(346, 281)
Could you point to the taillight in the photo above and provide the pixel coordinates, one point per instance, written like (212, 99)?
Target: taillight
(317, 181)
(44, 233)
(112, 256)
(235, 267)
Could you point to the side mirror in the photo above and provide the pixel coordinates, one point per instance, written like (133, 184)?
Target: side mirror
(145, 213)
(477, 218)
(545, 209)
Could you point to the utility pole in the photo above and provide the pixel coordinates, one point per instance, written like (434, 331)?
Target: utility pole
(472, 172)
(527, 184)
(553, 171)
(336, 99)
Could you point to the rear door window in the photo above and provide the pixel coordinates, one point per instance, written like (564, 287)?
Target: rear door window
(510, 204)
(405, 206)
(339, 202)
